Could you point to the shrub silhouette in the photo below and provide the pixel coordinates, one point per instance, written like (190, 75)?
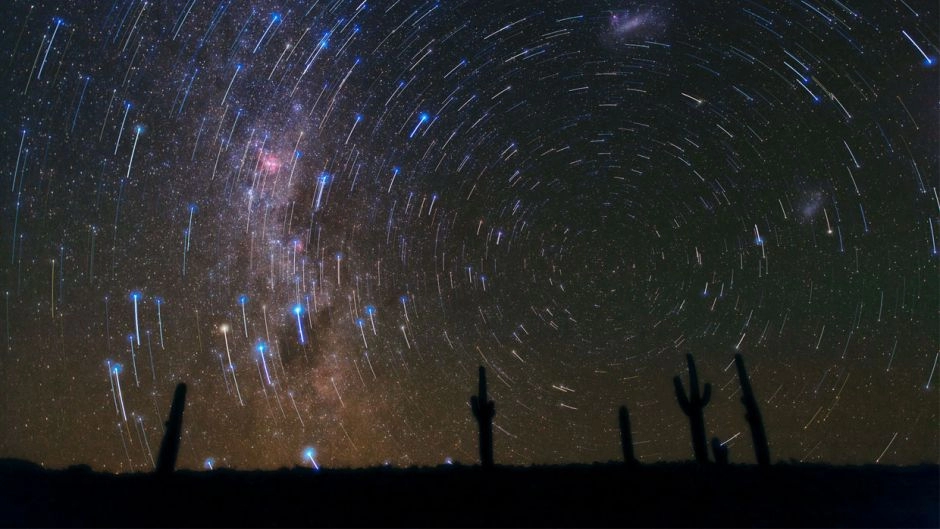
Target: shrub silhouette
(484, 410)
(753, 415)
(692, 406)
(170, 446)
(720, 451)
(626, 437)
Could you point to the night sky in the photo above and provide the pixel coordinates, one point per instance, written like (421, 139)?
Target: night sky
(323, 216)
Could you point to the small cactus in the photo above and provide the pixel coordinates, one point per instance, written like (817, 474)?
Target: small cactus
(484, 410)
(720, 451)
(753, 415)
(626, 437)
(692, 406)
(170, 446)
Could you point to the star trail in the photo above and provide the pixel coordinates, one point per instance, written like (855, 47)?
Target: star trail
(324, 215)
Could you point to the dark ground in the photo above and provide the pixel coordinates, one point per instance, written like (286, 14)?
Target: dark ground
(665, 494)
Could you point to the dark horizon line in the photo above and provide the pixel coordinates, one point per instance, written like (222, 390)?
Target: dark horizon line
(790, 463)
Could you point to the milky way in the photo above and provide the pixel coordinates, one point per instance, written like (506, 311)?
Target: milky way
(323, 216)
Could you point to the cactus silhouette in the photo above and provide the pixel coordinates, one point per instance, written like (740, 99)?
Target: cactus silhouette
(692, 406)
(753, 415)
(484, 410)
(720, 451)
(170, 446)
(626, 437)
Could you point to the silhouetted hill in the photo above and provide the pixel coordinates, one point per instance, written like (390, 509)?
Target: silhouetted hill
(664, 494)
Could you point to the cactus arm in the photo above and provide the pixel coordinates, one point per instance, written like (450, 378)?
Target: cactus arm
(693, 376)
(680, 395)
(707, 395)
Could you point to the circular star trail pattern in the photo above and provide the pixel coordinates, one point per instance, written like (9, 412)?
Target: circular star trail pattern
(323, 216)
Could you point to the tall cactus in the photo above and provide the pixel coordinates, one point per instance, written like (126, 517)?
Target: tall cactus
(692, 406)
(484, 410)
(753, 415)
(626, 437)
(170, 446)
